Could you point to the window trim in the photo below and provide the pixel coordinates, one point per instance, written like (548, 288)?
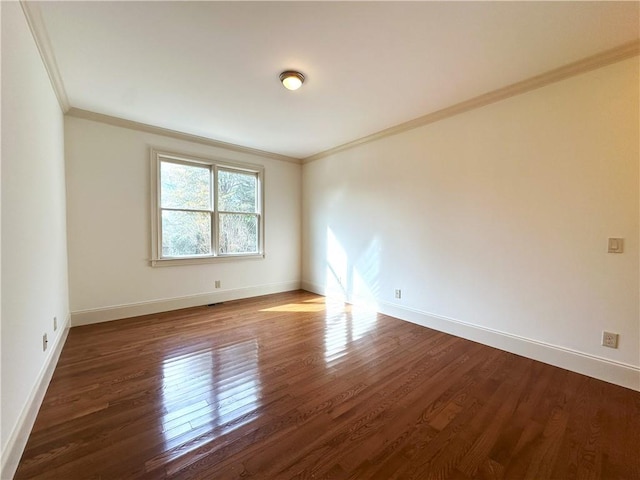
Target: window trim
(156, 157)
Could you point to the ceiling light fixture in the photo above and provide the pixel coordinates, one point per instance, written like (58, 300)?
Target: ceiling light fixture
(291, 79)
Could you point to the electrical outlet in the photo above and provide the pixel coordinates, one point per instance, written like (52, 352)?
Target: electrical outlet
(55, 323)
(610, 339)
(398, 293)
(44, 342)
(615, 245)
(217, 284)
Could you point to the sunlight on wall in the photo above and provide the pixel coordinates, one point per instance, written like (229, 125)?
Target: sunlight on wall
(208, 393)
(353, 278)
(366, 276)
(337, 268)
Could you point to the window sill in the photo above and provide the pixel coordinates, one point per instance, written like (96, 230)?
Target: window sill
(172, 262)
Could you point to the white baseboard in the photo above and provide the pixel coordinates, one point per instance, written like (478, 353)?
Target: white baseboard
(116, 312)
(601, 368)
(313, 287)
(20, 434)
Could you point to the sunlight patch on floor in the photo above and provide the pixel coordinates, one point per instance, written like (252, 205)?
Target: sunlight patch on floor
(296, 307)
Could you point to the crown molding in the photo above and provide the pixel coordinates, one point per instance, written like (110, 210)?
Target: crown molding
(39, 32)
(41, 38)
(144, 127)
(593, 62)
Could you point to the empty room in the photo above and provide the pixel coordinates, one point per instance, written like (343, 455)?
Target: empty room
(328, 240)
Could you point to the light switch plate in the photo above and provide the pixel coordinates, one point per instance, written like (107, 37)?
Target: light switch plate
(616, 245)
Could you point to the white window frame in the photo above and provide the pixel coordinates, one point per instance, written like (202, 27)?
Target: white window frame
(157, 259)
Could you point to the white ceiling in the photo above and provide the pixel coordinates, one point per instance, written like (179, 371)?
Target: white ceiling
(211, 68)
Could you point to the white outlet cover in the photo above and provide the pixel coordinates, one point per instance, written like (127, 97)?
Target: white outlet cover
(610, 339)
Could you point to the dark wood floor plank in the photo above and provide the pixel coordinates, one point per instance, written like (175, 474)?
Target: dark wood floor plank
(296, 386)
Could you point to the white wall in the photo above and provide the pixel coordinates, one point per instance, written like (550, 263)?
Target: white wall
(108, 206)
(34, 251)
(494, 223)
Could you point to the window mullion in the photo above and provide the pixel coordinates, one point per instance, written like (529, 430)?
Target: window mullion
(197, 210)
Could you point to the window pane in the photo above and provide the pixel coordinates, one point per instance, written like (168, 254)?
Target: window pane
(238, 233)
(185, 233)
(185, 186)
(237, 191)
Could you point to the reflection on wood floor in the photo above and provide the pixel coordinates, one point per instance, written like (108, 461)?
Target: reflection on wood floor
(287, 386)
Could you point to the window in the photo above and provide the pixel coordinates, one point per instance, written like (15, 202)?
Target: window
(203, 210)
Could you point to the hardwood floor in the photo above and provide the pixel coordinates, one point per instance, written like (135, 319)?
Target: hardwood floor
(286, 386)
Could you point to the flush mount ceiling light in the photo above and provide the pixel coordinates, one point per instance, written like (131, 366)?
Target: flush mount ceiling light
(291, 79)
